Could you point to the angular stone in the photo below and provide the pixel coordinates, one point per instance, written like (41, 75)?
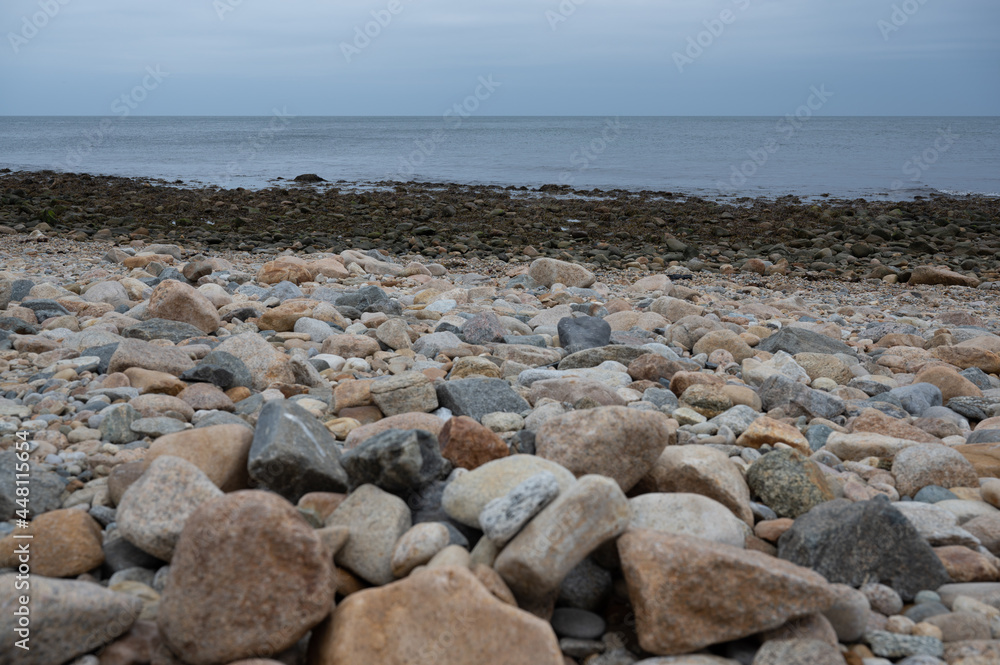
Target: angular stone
(596, 356)
(534, 563)
(152, 512)
(917, 467)
(220, 451)
(425, 421)
(408, 392)
(799, 340)
(788, 483)
(394, 333)
(484, 328)
(551, 271)
(277, 271)
(873, 420)
(766, 430)
(936, 525)
(402, 624)
(377, 520)
(798, 399)
(174, 301)
(613, 441)
(397, 461)
(868, 541)
(68, 619)
(586, 332)
(468, 445)
(477, 397)
(266, 364)
(116, 425)
(175, 331)
(701, 470)
(248, 576)
(503, 517)
(689, 593)
(467, 494)
(62, 543)
(688, 515)
(293, 453)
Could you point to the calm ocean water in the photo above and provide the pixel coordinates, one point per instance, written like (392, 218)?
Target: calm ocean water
(894, 158)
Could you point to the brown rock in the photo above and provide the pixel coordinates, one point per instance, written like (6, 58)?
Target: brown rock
(964, 357)
(434, 616)
(121, 478)
(64, 543)
(350, 346)
(939, 275)
(248, 576)
(174, 301)
(283, 317)
(266, 364)
(701, 470)
(653, 367)
(771, 530)
(613, 441)
(135, 647)
(351, 393)
(770, 431)
(136, 353)
(329, 267)
(950, 382)
(959, 626)
(710, 400)
(150, 382)
(283, 270)
(322, 503)
(987, 529)
(964, 565)
(425, 421)
(153, 406)
(985, 458)
(723, 339)
(873, 420)
(206, 397)
(681, 381)
(572, 389)
(467, 444)
(689, 593)
(220, 451)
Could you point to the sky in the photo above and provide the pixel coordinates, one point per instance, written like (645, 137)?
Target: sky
(515, 57)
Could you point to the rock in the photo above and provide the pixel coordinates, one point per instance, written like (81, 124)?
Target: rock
(46, 488)
(702, 470)
(723, 339)
(936, 525)
(788, 483)
(403, 623)
(873, 420)
(883, 599)
(175, 331)
(894, 645)
(939, 275)
(948, 381)
(220, 451)
(764, 430)
(408, 392)
(61, 543)
(376, 519)
(68, 619)
(136, 353)
(794, 341)
(112, 293)
(467, 494)
(116, 426)
(798, 652)
(505, 516)
(266, 364)
(796, 399)
(397, 461)
(418, 546)
(534, 563)
(688, 515)
(572, 389)
(857, 543)
(293, 453)
(613, 441)
(174, 301)
(586, 332)
(820, 365)
(248, 576)
(394, 333)
(707, 399)
(684, 601)
(959, 626)
(484, 328)
(468, 445)
(849, 613)
(477, 397)
(856, 447)
(152, 512)
(985, 458)
(275, 272)
(965, 565)
(206, 397)
(917, 467)
(577, 624)
(425, 421)
(551, 271)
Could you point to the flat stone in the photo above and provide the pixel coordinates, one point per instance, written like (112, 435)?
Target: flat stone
(895, 645)
(249, 576)
(504, 517)
(408, 392)
(799, 340)
(690, 593)
(376, 520)
(175, 331)
(136, 353)
(688, 514)
(477, 397)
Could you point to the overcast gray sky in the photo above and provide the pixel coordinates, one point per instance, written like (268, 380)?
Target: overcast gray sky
(582, 57)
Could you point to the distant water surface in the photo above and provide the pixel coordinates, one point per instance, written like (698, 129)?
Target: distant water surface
(875, 158)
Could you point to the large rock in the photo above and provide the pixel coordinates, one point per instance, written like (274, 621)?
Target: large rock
(434, 616)
(68, 619)
(858, 543)
(477, 397)
(61, 543)
(468, 445)
(266, 364)
(376, 520)
(917, 467)
(220, 451)
(586, 332)
(534, 563)
(398, 461)
(949, 382)
(551, 271)
(408, 392)
(174, 301)
(723, 339)
(293, 453)
(112, 293)
(985, 458)
(152, 512)
(689, 593)
(612, 441)
(797, 399)
(136, 353)
(249, 576)
(688, 515)
(788, 483)
(702, 470)
(799, 340)
(468, 493)
(943, 276)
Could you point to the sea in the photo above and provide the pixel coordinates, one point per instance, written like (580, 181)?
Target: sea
(876, 158)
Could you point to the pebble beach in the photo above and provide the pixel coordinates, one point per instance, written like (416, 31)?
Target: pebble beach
(414, 423)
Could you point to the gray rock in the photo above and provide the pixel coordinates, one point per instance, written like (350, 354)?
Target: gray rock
(661, 398)
(431, 345)
(918, 397)
(285, 291)
(933, 494)
(116, 424)
(175, 331)
(922, 611)
(397, 461)
(68, 618)
(293, 453)
(483, 329)
(476, 397)
(867, 541)
(585, 332)
(894, 645)
(240, 373)
(46, 488)
(576, 623)
(738, 418)
(137, 353)
(44, 308)
(594, 357)
(984, 436)
(6, 291)
(799, 340)
(798, 399)
(587, 586)
(788, 483)
(504, 517)
(156, 427)
(798, 651)
(316, 329)
(978, 377)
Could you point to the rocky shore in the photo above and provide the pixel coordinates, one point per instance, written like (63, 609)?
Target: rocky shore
(469, 425)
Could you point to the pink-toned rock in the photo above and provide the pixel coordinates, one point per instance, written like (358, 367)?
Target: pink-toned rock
(248, 576)
(468, 445)
(964, 357)
(350, 346)
(424, 421)
(949, 381)
(873, 420)
(155, 405)
(220, 451)
(434, 616)
(174, 301)
(329, 267)
(939, 275)
(283, 317)
(701, 470)
(63, 543)
(267, 365)
(571, 389)
(770, 431)
(206, 397)
(284, 270)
